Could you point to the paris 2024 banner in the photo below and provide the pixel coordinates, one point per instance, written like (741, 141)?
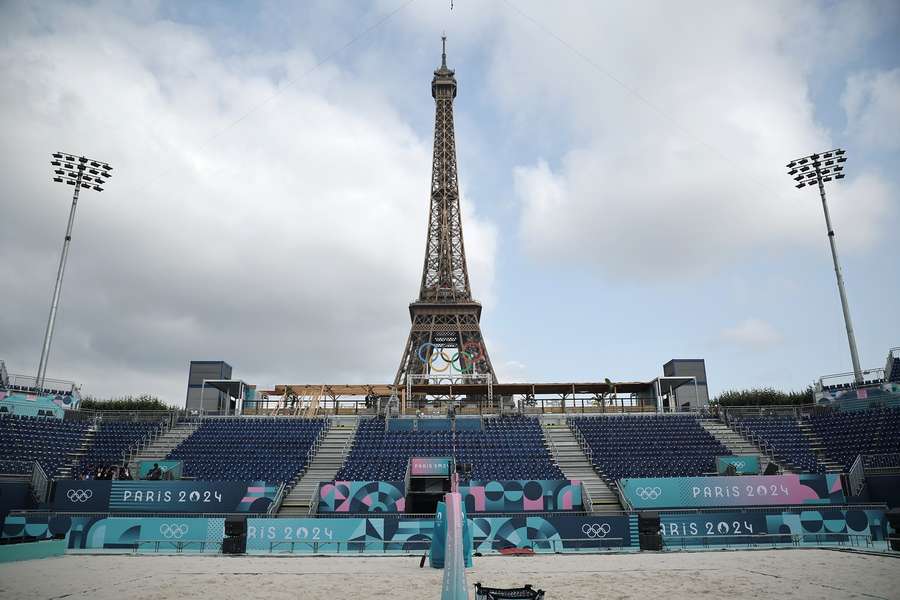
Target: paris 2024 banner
(742, 490)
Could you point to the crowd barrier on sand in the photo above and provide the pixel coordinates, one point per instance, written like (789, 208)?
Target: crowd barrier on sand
(807, 527)
(551, 533)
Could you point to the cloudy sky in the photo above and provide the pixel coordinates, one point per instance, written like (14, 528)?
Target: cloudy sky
(621, 166)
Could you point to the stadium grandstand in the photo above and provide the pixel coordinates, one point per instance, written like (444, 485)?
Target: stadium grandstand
(589, 472)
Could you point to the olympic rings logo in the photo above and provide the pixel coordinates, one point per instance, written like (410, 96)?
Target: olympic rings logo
(79, 495)
(175, 530)
(738, 464)
(439, 361)
(648, 493)
(595, 530)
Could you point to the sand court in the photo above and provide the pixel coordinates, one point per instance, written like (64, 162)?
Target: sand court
(819, 574)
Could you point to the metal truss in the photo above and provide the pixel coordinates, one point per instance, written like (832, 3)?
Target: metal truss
(445, 333)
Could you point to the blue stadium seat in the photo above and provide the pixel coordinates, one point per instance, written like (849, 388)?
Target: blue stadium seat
(111, 442)
(505, 448)
(49, 441)
(241, 449)
(648, 446)
(846, 435)
(783, 436)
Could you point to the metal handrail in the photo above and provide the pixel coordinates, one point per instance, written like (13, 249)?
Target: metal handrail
(556, 545)
(856, 476)
(178, 545)
(279, 498)
(756, 539)
(40, 483)
(586, 499)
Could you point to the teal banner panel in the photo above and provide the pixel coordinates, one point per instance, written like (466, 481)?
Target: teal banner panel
(800, 527)
(72, 495)
(148, 534)
(545, 534)
(327, 535)
(166, 466)
(743, 465)
(744, 490)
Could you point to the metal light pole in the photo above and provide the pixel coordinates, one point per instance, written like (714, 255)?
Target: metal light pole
(83, 173)
(817, 169)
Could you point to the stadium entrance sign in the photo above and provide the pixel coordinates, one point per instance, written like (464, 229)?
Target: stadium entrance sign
(163, 496)
(746, 490)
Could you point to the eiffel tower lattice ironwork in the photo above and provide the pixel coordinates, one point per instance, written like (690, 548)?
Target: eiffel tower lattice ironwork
(445, 338)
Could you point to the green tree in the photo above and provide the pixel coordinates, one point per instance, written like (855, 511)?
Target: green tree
(764, 397)
(142, 402)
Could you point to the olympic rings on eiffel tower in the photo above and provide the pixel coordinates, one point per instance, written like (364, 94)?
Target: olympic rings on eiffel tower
(438, 360)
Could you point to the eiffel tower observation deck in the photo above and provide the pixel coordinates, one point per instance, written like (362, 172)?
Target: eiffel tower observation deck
(445, 342)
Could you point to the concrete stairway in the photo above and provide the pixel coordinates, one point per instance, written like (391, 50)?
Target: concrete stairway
(68, 471)
(163, 444)
(567, 453)
(736, 442)
(818, 447)
(324, 466)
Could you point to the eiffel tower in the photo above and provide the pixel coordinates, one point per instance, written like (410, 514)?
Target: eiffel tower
(445, 338)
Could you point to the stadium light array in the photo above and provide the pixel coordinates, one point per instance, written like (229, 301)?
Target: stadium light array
(81, 173)
(817, 169)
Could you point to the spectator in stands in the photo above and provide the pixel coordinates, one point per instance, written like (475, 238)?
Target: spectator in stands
(155, 473)
(125, 473)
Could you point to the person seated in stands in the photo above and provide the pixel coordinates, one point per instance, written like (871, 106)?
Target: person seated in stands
(155, 473)
(98, 474)
(125, 473)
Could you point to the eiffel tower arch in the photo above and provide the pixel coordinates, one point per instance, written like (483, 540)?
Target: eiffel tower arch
(445, 341)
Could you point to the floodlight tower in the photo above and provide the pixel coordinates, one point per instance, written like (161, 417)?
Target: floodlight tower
(817, 169)
(82, 173)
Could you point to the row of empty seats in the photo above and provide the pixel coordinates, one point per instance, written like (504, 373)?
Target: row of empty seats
(241, 449)
(648, 446)
(48, 441)
(112, 441)
(783, 436)
(505, 448)
(846, 435)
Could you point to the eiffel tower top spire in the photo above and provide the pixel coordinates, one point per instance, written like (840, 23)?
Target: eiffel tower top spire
(445, 277)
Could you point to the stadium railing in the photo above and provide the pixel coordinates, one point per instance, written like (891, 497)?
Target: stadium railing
(178, 546)
(755, 540)
(856, 476)
(881, 463)
(279, 498)
(40, 483)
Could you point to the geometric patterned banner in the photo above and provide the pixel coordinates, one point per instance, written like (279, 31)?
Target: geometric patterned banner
(362, 497)
(799, 527)
(743, 490)
(819, 526)
(378, 535)
(522, 496)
